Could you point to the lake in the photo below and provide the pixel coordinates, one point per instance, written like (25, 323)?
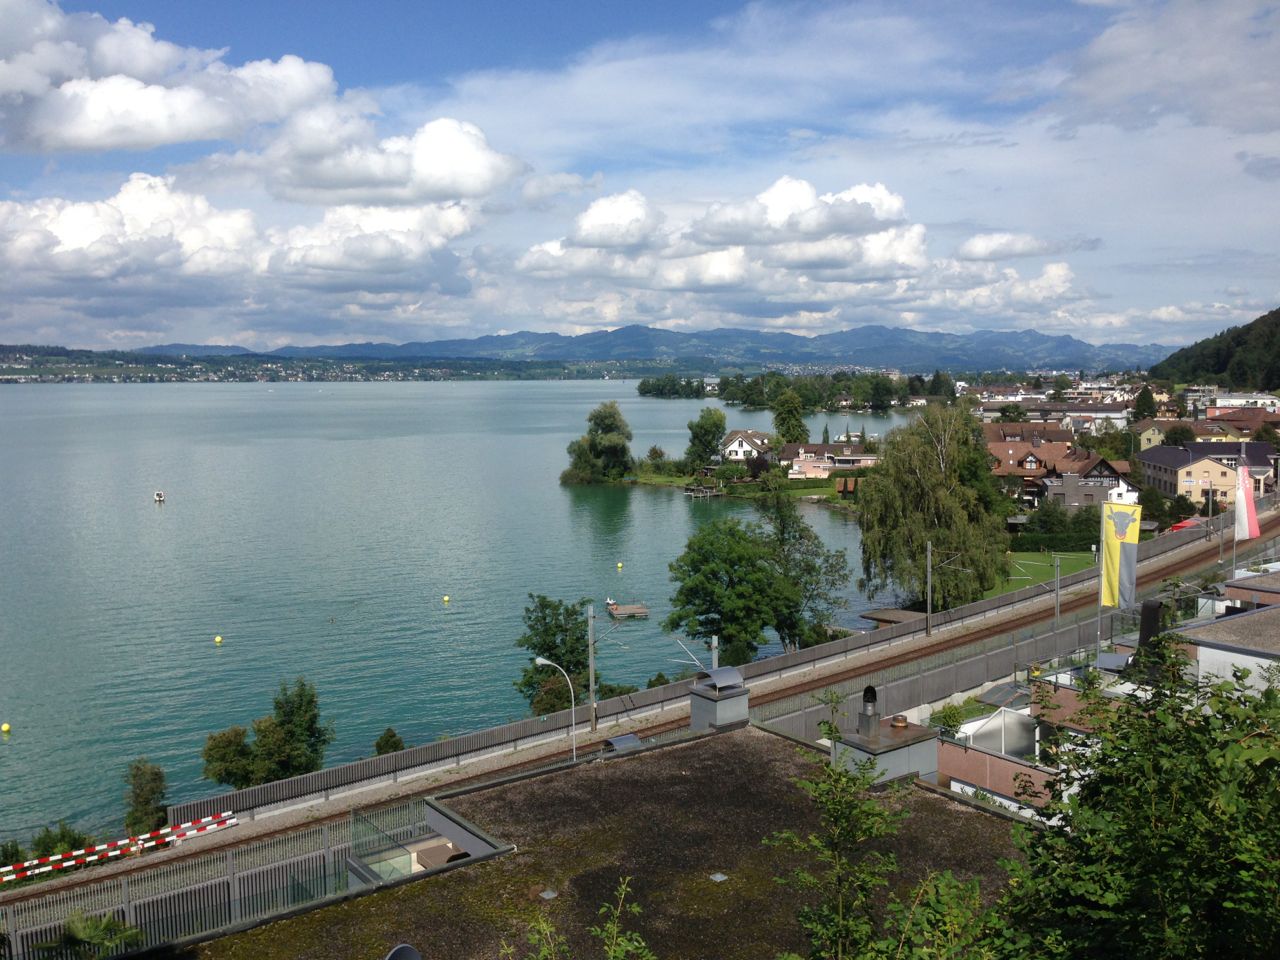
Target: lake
(316, 528)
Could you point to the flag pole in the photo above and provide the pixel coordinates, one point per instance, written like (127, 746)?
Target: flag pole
(1102, 529)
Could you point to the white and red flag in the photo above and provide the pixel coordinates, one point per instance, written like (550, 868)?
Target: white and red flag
(1246, 511)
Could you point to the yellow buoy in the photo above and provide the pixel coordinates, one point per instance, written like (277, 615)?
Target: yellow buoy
(619, 564)
(218, 640)
(4, 728)
(446, 598)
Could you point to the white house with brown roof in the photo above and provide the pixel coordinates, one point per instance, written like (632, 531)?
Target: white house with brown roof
(740, 445)
(818, 460)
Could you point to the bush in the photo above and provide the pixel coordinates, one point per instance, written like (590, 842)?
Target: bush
(1060, 542)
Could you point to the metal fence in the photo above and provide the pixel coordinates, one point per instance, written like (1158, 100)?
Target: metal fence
(221, 890)
(508, 738)
(937, 676)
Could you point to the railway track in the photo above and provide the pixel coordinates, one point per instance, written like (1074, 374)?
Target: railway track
(1183, 560)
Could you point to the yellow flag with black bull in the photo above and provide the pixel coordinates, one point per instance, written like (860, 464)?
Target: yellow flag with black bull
(1120, 554)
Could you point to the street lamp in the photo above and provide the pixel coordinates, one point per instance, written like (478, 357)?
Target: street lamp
(573, 708)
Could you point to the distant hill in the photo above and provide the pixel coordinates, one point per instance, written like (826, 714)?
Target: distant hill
(870, 346)
(1245, 357)
(193, 350)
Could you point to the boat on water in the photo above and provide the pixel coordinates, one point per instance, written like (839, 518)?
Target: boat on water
(159, 496)
(625, 611)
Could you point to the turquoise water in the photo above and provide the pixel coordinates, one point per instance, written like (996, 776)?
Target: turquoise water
(316, 528)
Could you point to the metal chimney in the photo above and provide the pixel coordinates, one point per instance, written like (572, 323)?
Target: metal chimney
(869, 719)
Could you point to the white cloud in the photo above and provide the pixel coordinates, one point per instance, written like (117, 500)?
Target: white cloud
(791, 207)
(79, 82)
(542, 187)
(1214, 63)
(1001, 246)
(620, 220)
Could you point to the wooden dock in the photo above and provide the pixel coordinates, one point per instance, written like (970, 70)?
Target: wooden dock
(701, 492)
(627, 611)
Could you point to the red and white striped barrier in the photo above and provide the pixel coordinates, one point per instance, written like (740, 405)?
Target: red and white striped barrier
(104, 851)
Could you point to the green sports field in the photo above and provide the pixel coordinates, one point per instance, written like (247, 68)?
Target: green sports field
(1028, 568)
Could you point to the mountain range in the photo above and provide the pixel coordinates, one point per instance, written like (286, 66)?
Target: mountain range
(1246, 357)
(867, 346)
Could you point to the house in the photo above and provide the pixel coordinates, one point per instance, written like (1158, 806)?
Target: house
(1088, 416)
(1200, 470)
(1246, 421)
(818, 460)
(1151, 433)
(1224, 402)
(1018, 432)
(739, 445)
(1071, 491)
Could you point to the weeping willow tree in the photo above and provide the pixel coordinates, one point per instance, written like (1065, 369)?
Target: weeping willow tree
(934, 484)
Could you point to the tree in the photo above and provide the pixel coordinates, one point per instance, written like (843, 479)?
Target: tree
(845, 868)
(933, 483)
(49, 841)
(389, 742)
(826, 433)
(88, 937)
(882, 393)
(705, 435)
(286, 743)
(558, 631)
(1011, 413)
(788, 418)
(1267, 433)
(603, 452)
(228, 758)
(816, 576)
(1159, 840)
(727, 586)
(1061, 384)
(1153, 506)
(145, 800)
(1144, 407)
(1181, 507)
(1177, 435)
(941, 385)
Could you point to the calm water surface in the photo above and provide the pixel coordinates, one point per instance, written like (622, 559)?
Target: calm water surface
(316, 528)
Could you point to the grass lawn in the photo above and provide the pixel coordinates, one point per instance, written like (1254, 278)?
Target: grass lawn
(1026, 569)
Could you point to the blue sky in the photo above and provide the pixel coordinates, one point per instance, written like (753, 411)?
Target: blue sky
(274, 173)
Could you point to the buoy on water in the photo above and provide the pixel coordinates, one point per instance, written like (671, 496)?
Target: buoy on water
(446, 598)
(217, 641)
(619, 564)
(4, 728)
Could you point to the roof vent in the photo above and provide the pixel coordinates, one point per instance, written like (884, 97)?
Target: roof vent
(720, 678)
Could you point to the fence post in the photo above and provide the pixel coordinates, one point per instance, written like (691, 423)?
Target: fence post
(233, 888)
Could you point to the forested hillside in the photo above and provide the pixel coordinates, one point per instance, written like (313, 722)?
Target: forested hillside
(1245, 357)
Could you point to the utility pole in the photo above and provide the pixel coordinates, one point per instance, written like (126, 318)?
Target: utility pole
(928, 588)
(591, 662)
(1057, 589)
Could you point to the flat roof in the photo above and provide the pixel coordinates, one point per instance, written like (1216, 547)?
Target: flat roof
(1241, 587)
(668, 818)
(891, 615)
(1255, 631)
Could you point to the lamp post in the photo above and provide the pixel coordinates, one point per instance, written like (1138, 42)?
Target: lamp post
(573, 706)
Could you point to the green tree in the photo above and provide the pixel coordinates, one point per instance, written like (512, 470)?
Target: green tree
(788, 418)
(388, 742)
(705, 435)
(826, 433)
(145, 809)
(49, 841)
(603, 452)
(1144, 407)
(1061, 384)
(228, 758)
(1177, 435)
(558, 631)
(727, 586)
(1159, 840)
(87, 937)
(1011, 413)
(286, 743)
(1181, 507)
(933, 483)
(815, 575)
(882, 393)
(845, 867)
(945, 919)
(1267, 433)
(1153, 506)
(941, 385)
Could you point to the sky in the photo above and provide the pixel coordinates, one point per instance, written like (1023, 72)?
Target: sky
(329, 172)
